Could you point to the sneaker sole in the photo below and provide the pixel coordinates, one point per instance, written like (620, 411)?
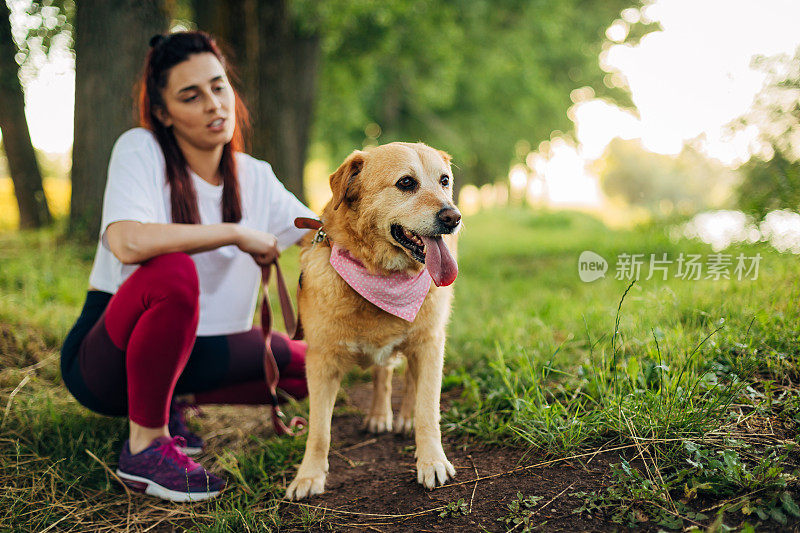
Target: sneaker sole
(148, 486)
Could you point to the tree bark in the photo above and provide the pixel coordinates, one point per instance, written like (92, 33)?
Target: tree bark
(279, 66)
(25, 174)
(232, 23)
(111, 41)
(287, 78)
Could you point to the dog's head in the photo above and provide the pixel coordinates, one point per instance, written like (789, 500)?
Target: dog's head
(391, 206)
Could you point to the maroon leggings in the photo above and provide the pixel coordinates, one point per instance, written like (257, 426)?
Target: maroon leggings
(143, 349)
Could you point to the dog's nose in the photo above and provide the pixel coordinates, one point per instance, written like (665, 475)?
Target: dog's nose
(449, 216)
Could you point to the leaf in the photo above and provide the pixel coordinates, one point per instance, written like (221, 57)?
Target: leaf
(777, 515)
(789, 504)
(672, 522)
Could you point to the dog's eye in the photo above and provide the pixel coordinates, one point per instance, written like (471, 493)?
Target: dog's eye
(406, 183)
(444, 180)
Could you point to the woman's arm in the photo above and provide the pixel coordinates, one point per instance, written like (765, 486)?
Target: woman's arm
(135, 242)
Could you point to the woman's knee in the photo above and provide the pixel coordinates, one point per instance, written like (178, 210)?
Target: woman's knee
(175, 273)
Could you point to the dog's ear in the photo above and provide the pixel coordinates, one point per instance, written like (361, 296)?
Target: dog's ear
(447, 157)
(343, 181)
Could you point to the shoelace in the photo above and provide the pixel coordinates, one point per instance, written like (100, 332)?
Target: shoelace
(171, 449)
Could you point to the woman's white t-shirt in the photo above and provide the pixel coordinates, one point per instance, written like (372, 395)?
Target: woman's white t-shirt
(137, 189)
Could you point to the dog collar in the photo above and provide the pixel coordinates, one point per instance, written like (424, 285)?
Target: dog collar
(399, 294)
(320, 236)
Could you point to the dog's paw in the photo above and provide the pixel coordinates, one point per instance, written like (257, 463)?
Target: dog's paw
(429, 472)
(378, 423)
(304, 486)
(404, 425)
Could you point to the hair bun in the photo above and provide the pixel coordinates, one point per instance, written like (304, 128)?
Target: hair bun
(156, 39)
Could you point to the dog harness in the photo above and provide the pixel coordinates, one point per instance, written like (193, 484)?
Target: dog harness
(399, 294)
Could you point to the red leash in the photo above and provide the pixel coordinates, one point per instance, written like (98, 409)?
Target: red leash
(270, 366)
(293, 328)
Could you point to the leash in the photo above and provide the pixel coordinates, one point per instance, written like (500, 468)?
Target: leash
(270, 366)
(293, 328)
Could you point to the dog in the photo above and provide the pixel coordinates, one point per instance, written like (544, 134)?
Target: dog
(391, 230)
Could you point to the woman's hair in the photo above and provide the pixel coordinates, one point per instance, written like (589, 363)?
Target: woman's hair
(166, 51)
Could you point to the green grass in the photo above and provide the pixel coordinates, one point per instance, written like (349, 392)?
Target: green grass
(696, 377)
(559, 365)
(553, 342)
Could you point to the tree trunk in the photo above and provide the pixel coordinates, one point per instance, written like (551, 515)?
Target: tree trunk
(279, 67)
(232, 23)
(287, 77)
(25, 174)
(111, 41)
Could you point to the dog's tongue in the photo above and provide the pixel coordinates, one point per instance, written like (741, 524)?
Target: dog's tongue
(440, 264)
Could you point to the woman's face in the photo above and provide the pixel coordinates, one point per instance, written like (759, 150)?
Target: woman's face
(199, 102)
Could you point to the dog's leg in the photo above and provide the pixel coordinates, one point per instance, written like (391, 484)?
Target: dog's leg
(405, 419)
(432, 464)
(379, 419)
(323, 384)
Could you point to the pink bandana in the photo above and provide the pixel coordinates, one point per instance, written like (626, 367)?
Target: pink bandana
(398, 294)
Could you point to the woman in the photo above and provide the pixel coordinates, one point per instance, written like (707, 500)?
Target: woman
(187, 220)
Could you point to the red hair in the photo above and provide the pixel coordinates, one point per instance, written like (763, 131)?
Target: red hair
(166, 51)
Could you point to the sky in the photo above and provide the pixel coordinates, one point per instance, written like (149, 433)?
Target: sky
(695, 76)
(690, 79)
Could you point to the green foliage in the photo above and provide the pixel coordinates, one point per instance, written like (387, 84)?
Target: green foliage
(659, 183)
(633, 499)
(521, 512)
(775, 113)
(772, 176)
(719, 473)
(472, 77)
(769, 185)
(455, 509)
(724, 472)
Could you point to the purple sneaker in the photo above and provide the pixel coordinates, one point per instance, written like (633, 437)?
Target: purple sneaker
(163, 470)
(177, 428)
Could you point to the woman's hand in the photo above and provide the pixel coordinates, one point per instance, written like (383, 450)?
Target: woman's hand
(262, 246)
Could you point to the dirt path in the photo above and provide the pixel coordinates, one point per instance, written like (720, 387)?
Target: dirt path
(375, 474)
